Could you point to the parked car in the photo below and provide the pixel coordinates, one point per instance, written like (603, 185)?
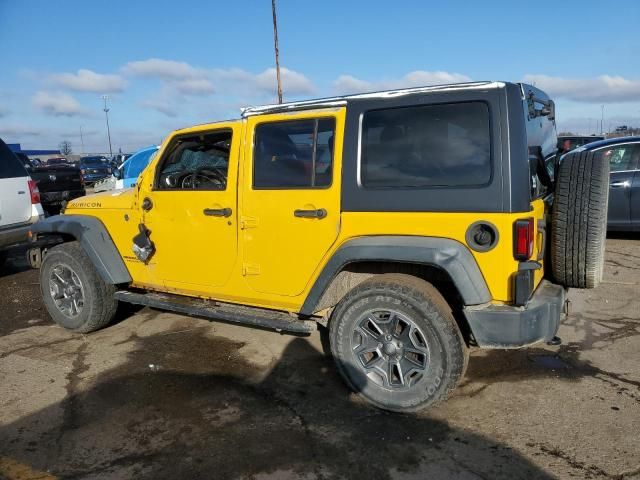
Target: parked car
(566, 143)
(57, 161)
(94, 168)
(409, 225)
(58, 183)
(128, 173)
(623, 155)
(19, 202)
(118, 159)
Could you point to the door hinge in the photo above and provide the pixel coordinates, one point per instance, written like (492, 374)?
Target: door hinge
(248, 222)
(250, 269)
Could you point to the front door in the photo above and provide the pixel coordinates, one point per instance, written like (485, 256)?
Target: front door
(290, 211)
(191, 209)
(622, 160)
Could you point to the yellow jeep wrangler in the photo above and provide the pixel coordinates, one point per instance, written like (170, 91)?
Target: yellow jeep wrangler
(407, 225)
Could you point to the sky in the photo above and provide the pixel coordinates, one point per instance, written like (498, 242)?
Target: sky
(166, 65)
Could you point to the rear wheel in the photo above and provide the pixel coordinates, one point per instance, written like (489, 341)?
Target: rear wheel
(396, 343)
(75, 295)
(579, 220)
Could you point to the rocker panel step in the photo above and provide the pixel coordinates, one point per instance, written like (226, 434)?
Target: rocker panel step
(250, 316)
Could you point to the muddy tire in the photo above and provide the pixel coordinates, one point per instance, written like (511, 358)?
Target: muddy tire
(75, 295)
(579, 220)
(396, 343)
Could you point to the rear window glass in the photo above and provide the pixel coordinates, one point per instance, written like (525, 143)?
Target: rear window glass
(10, 166)
(426, 146)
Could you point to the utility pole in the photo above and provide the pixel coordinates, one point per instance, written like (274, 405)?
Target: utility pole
(275, 42)
(106, 114)
(602, 122)
(81, 141)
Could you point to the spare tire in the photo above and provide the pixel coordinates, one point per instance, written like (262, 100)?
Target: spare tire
(579, 220)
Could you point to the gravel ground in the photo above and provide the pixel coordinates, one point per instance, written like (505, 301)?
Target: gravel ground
(159, 395)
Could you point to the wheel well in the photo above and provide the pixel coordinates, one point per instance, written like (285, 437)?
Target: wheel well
(355, 273)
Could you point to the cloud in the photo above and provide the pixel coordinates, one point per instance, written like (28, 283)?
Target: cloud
(187, 79)
(159, 105)
(89, 81)
(604, 88)
(18, 130)
(181, 76)
(194, 86)
(293, 83)
(164, 69)
(57, 104)
(346, 84)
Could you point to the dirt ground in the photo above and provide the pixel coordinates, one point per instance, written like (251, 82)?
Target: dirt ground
(159, 395)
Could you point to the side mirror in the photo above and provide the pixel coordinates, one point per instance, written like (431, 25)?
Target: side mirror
(117, 173)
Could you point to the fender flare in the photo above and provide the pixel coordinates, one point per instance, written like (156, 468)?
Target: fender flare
(94, 239)
(449, 255)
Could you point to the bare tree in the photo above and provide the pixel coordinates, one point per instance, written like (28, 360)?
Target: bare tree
(65, 147)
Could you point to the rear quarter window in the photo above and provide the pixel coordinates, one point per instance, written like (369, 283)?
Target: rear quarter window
(426, 146)
(10, 165)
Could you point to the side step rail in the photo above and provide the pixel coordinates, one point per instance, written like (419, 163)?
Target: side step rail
(250, 316)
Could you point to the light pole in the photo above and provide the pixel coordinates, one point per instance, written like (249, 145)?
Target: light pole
(602, 121)
(106, 114)
(81, 141)
(275, 42)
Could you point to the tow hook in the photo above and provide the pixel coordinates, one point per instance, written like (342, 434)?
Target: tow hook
(555, 341)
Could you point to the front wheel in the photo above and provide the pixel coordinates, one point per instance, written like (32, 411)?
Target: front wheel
(396, 343)
(75, 295)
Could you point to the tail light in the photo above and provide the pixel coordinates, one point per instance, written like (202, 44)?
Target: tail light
(523, 239)
(34, 191)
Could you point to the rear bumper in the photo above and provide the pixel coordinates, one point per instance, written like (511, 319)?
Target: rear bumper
(18, 235)
(503, 326)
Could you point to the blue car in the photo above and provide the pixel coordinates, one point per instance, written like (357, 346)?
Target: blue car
(131, 169)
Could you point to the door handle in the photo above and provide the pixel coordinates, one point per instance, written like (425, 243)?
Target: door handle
(625, 184)
(217, 212)
(320, 213)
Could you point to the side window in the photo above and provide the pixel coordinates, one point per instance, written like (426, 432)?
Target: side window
(426, 146)
(196, 162)
(10, 166)
(293, 154)
(620, 157)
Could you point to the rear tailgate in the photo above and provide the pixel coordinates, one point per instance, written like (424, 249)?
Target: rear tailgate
(57, 179)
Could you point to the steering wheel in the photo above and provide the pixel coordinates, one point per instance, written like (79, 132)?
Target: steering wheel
(195, 179)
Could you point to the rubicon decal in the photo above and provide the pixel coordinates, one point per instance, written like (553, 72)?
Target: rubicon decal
(86, 205)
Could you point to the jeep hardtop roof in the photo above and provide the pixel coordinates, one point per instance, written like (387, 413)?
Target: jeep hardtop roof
(344, 99)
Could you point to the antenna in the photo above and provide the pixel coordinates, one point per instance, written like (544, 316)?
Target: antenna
(275, 43)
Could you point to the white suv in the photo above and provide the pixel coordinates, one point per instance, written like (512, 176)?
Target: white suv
(19, 201)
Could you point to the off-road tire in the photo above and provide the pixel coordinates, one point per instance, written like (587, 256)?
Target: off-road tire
(422, 303)
(99, 305)
(579, 220)
(4, 254)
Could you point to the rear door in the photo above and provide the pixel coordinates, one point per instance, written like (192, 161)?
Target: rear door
(623, 159)
(290, 211)
(15, 198)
